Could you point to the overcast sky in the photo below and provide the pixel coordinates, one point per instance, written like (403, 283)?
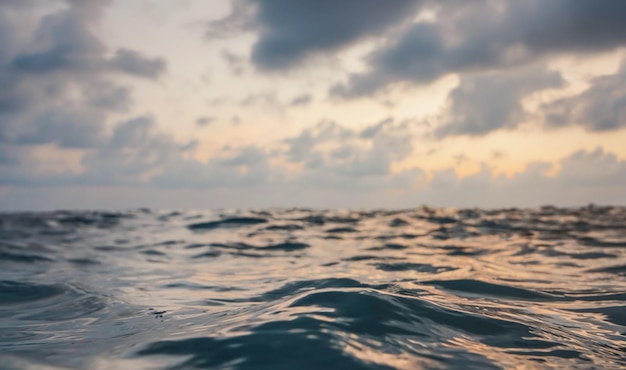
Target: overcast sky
(327, 103)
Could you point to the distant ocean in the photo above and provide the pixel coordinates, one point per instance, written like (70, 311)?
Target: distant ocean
(310, 289)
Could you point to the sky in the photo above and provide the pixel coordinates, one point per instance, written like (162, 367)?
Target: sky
(239, 104)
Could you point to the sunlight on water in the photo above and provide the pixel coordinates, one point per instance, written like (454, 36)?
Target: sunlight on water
(425, 288)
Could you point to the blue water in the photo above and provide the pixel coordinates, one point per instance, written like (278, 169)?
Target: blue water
(306, 289)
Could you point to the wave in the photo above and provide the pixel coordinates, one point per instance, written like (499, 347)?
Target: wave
(301, 288)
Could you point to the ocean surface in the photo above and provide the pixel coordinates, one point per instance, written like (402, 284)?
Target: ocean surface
(311, 289)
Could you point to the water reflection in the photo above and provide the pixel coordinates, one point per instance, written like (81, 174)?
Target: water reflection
(426, 288)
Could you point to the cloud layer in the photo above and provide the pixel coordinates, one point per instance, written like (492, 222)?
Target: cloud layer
(586, 177)
(490, 35)
(335, 166)
(497, 48)
(289, 31)
(57, 76)
(601, 107)
(69, 116)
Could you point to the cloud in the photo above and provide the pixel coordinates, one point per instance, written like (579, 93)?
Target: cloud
(486, 102)
(134, 152)
(597, 169)
(247, 156)
(132, 133)
(291, 31)
(495, 44)
(269, 101)
(64, 41)
(71, 128)
(416, 57)
(8, 156)
(265, 99)
(602, 107)
(301, 147)
(235, 62)
(204, 121)
(489, 35)
(137, 154)
(301, 100)
(134, 63)
(464, 36)
(330, 151)
(241, 167)
(62, 90)
(584, 177)
(239, 20)
(57, 76)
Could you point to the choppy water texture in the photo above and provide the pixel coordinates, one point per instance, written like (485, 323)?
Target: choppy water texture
(303, 289)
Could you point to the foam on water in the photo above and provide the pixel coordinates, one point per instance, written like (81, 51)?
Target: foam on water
(297, 288)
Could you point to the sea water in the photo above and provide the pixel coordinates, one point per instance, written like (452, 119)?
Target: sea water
(314, 289)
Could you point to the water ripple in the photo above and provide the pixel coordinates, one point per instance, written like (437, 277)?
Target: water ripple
(299, 288)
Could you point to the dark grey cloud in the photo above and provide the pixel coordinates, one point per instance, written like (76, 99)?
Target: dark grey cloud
(418, 57)
(466, 35)
(289, 30)
(601, 107)
(487, 35)
(68, 129)
(486, 102)
(56, 74)
(485, 42)
(64, 41)
(59, 87)
(132, 133)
